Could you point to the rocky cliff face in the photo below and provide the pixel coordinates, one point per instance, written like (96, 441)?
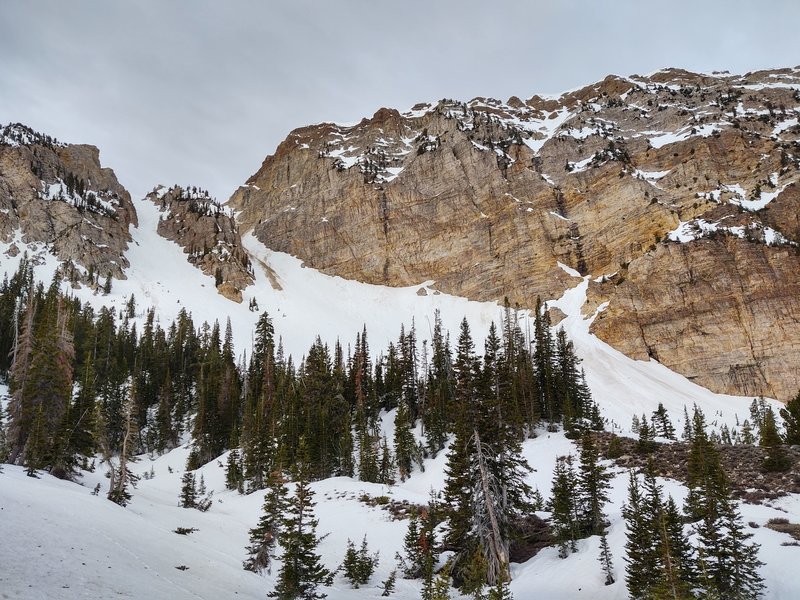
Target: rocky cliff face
(667, 188)
(58, 197)
(208, 233)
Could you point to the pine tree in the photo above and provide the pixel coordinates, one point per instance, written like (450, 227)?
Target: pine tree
(301, 571)
(387, 586)
(458, 486)
(728, 565)
(703, 467)
(188, 498)
(234, 478)
(640, 548)
(605, 560)
(594, 485)
(646, 443)
(404, 445)
(791, 420)
(563, 506)
(662, 424)
(439, 392)
(386, 467)
(121, 478)
(776, 458)
(264, 536)
(359, 565)
(500, 591)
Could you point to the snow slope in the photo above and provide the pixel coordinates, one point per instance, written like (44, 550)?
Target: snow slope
(59, 541)
(309, 303)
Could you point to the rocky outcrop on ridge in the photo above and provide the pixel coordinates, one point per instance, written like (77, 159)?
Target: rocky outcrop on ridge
(57, 197)
(208, 233)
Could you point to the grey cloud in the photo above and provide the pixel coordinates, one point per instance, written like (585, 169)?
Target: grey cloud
(199, 92)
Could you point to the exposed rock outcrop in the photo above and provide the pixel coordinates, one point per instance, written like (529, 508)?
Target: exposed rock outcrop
(59, 196)
(623, 178)
(208, 233)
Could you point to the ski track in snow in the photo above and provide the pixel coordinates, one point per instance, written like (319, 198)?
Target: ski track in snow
(59, 541)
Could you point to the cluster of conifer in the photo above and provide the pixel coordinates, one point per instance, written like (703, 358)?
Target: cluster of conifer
(662, 562)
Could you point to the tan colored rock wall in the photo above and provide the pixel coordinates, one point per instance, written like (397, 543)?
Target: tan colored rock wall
(87, 228)
(487, 197)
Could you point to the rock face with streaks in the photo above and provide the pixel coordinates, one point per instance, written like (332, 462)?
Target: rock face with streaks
(666, 188)
(208, 233)
(57, 197)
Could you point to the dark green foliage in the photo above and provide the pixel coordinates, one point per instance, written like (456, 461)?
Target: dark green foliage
(646, 443)
(359, 565)
(234, 477)
(264, 536)
(659, 557)
(387, 586)
(188, 498)
(662, 424)
(791, 420)
(500, 591)
(615, 449)
(405, 448)
(420, 548)
(605, 560)
(594, 483)
(564, 506)
(776, 459)
(485, 488)
(302, 572)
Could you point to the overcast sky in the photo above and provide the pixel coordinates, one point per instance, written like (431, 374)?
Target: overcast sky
(200, 92)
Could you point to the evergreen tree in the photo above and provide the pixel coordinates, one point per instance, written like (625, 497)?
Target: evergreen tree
(662, 424)
(564, 507)
(188, 497)
(458, 486)
(641, 546)
(301, 571)
(646, 443)
(747, 436)
(791, 420)
(386, 467)
(387, 586)
(605, 560)
(264, 536)
(703, 468)
(439, 396)
(404, 445)
(359, 565)
(234, 477)
(594, 484)
(776, 459)
(500, 591)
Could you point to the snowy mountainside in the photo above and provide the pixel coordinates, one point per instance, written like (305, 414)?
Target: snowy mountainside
(86, 546)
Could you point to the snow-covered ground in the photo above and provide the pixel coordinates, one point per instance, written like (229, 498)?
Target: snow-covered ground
(59, 541)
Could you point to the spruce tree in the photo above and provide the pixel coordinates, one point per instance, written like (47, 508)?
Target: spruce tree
(776, 458)
(594, 483)
(188, 497)
(662, 424)
(646, 443)
(791, 420)
(641, 545)
(302, 572)
(563, 506)
(234, 478)
(359, 565)
(264, 536)
(404, 445)
(605, 560)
